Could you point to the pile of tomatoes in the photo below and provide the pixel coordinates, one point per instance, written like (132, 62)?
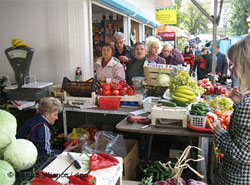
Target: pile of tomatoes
(224, 120)
(92, 131)
(116, 89)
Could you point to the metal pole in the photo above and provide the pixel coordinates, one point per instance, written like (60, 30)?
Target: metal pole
(214, 41)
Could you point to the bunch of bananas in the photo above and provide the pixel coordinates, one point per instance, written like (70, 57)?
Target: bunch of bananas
(18, 42)
(184, 94)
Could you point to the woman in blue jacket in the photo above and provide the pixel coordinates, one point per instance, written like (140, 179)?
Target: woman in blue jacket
(39, 128)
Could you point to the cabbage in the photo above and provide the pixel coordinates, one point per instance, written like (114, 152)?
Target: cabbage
(163, 80)
(7, 173)
(1, 153)
(21, 154)
(7, 128)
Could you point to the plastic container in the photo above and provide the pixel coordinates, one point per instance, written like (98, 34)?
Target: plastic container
(78, 74)
(111, 103)
(137, 84)
(197, 121)
(149, 102)
(208, 89)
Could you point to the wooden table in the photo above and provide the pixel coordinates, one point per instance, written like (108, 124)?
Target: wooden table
(204, 139)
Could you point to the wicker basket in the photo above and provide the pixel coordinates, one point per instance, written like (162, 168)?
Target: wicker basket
(197, 121)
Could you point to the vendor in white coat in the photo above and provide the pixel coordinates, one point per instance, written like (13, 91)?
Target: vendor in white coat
(109, 67)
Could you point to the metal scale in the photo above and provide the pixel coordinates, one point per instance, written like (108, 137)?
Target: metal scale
(20, 59)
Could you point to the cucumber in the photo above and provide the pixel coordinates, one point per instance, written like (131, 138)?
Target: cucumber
(167, 103)
(181, 104)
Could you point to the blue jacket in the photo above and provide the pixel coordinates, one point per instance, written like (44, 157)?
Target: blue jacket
(38, 130)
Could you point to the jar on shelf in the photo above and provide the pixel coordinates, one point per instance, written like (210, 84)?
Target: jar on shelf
(208, 89)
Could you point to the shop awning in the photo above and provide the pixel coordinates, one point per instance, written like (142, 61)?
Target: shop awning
(130, 9)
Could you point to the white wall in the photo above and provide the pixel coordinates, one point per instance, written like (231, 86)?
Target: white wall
(58, 30)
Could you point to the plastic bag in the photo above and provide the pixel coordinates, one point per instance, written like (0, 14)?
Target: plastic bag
(109, 143)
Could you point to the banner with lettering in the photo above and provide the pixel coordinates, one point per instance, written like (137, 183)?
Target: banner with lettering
(167, 15)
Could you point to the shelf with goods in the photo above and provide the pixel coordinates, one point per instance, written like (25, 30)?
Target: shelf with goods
(103, 32)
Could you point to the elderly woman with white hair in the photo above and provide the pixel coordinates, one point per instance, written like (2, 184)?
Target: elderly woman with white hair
(234, 143)
(153, 45)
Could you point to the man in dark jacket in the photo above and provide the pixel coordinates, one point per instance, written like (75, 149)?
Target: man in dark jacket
(123, 52)
(135, 67)
(221, 65)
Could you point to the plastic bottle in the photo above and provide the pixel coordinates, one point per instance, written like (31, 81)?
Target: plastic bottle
(78, 74)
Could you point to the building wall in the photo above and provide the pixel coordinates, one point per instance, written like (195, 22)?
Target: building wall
(58, 32)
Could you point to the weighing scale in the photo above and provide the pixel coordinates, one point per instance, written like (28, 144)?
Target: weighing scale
(20, 59)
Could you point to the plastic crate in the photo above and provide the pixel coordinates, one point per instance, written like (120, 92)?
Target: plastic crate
(149, 102)
(112, 103)
(197, 121)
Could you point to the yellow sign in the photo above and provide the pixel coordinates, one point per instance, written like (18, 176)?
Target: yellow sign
(167, 15)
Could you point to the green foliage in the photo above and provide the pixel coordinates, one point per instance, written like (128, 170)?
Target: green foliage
(193, 19)
(240, 12)
(179, 15)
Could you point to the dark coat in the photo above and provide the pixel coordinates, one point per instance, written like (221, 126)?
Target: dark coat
(128, 51)
(174, 58)
(39, 136)
(221, 66)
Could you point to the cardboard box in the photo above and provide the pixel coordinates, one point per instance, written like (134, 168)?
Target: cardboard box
(130, 161)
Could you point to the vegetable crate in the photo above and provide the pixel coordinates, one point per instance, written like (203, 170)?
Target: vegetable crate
(74, 100)
(176, 113)
(151, 71)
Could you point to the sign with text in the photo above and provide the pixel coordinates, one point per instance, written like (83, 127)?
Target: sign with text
(167, 35)
(167, 15)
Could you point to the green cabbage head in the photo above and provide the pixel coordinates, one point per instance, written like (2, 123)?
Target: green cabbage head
(21, 154)
(7, 173)
(8, 127)
(163, 80)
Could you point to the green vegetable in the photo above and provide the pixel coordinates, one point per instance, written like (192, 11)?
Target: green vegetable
(7, 173)
(21, 154)
(163, 80)
(167, 103)
(147, 181)
(181, 104)
(8, 127)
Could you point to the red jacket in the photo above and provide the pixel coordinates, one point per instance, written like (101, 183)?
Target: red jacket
(188, 59)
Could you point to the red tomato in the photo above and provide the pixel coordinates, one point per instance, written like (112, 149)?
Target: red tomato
(218, 113)
(107, 93)
(223, 90)
(200, 83)
(115, 92)
(227, 121)
(106, 86)
(123, 83)
(114, 85)
(131, 92)
(221, 121)
(74, 142)
(100, 91)
(119, 87)
(66, 144)
(204, 81)
(123, 92)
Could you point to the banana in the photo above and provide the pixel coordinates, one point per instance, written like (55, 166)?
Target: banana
(185, 88)
(183, 91)
(22, 44)
(13, 41)
(179, 98)
(184, 96)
